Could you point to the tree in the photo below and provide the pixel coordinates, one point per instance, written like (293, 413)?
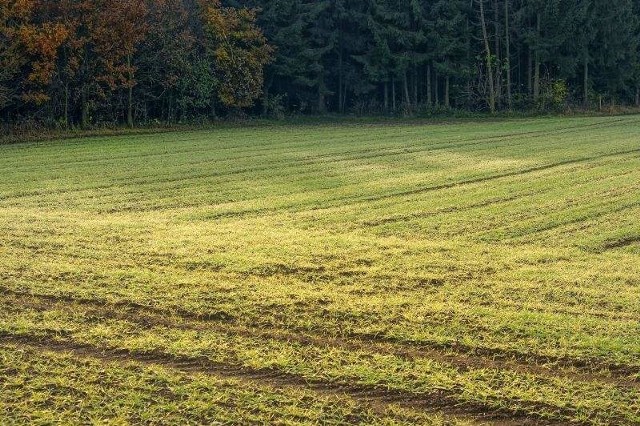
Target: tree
(448, 35)
(488, 58)
(70, 62)
(614, 47)
(41, 42)
(239, 51)
(119, 29)
(398, 32)
(28, 52)
(12, 16)
(167, 61)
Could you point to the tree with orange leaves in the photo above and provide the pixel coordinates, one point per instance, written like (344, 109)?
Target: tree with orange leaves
(11, 60)
(28, 51)
(120, 28)
(41, 43)
(74, 74)
(82, 61)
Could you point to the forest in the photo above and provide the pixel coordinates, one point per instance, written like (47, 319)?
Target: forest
(81, 63)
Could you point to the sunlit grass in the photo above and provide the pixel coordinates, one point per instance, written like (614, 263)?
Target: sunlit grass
(513, 243)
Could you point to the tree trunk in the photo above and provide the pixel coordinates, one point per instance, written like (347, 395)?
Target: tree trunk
(498, 70)
(340, 83)
(429, 91)
(66, 105)
(130, 100)
(436, 87)
(536, 71)
(386, 96)
(407, 98)
(446, 92)
(485, 36)
(415, 85)
(84, 103)
(469, 83)
(84, 108)
(321, 100)
(265, 96)
(638, 96)
(585, 88)
(345, 88)
(130, 108)
(530, 71)
(7, 121)
(507, 45)
(393, 93)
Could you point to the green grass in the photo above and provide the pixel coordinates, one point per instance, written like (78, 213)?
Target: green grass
(394, 273)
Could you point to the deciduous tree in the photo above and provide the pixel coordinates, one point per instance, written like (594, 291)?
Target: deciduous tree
(239, 50)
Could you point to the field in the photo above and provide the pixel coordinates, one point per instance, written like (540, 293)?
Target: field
(395, 273)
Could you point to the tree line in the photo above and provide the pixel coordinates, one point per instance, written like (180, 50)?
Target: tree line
(81, 62)
(390, 55)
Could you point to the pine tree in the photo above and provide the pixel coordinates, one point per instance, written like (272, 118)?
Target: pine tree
(448, 35)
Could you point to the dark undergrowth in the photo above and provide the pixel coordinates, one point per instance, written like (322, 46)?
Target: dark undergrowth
(35, 133)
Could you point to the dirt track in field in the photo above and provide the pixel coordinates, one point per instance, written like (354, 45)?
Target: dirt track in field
(460, 356)
(376, 398)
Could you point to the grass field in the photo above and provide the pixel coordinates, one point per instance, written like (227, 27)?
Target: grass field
(402, 273)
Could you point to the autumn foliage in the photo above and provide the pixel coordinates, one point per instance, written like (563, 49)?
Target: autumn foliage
(80, 61)
(28, 51)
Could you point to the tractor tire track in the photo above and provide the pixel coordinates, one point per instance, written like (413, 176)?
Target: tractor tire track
(444, 401)
(463, 358)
